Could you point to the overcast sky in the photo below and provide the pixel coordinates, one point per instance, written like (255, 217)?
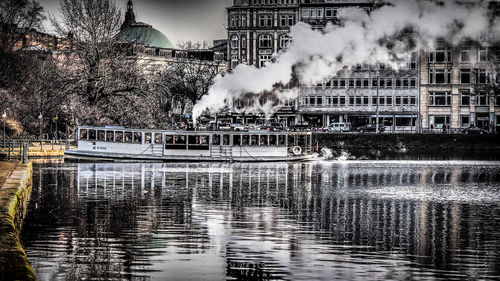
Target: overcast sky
(179, 20)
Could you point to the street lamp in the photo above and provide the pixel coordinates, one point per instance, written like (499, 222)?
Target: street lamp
(56, 118)
(4, 117)
(40, 118)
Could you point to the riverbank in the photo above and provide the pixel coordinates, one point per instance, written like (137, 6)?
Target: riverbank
(415, 146)
(15, 191)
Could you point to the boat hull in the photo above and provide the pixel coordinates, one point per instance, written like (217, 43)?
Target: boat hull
(183, 158)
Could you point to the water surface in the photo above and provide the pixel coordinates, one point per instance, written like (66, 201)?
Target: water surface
(386, 220)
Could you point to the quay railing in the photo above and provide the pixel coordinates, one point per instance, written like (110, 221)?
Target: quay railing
(23, 149)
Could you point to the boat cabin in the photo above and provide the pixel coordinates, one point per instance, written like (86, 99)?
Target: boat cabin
(184, 145)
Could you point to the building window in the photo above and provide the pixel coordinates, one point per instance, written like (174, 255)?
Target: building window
(319, 101)
(320, 13)
(313, 13)
(482, 99)
(381, 101)
(265, 21)
(439, 76)
(335, 101)
(305, 13)
(388, 101)
(465, 56)
(439, 99)
(465, 121)
(243, 42)
(413, 83)
(234, 42)
(440, 56)
(265, 41)
(397, 101)
(482, 54)
(342, 83)
(464, 76)
(328, 13)
(234, 61)
(284, 41)
(439, 121)
(481, 76)
(398, 83)
(464, 98)
(244, 21)
(264, 59)
(234, 21)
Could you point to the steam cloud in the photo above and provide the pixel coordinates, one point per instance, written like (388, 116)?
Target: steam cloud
(360, 39)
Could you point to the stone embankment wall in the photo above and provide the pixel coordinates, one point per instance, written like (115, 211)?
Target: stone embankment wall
(14, 197)
(395, 142)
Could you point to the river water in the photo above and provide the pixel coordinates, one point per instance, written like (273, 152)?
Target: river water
(351, 220)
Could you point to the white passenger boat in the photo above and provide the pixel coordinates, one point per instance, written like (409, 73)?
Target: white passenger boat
(132, 144)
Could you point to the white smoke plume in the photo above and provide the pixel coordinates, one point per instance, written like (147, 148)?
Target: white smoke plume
(359, 39)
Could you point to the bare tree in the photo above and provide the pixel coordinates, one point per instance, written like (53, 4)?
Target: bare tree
(189, 77)
(91, 26)
(17, 18)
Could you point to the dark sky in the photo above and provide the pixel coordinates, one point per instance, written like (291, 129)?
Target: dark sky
(179, 20)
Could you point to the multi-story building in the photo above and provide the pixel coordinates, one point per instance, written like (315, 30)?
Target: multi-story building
(364, 92)
(458, 85)
(444, 87)
(259, 29)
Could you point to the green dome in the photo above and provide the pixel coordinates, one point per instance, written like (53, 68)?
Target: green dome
(146, 35)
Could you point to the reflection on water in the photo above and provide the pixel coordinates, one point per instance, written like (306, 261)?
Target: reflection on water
(314, 221)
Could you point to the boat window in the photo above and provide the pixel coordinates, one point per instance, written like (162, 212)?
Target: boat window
(254, 140)
(216, 139)
(169, 139)
(237, 140)
(119, 137)
(281, 140)
(110, 136)
(198, 143)
(194, 140)
(225, 139)
(179, 143)
(205, 140)
(128, 137)
(181, 140)
(101, 135)
(92, 135)
(158, 138)
(291, 140)
(148, 137)
(246, 140)
(302, 140)
(263, 140)
(138, 137)
(273, 139)
(83, 134)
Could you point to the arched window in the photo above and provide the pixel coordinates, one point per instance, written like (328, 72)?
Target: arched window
(265, 41)
(284, 41)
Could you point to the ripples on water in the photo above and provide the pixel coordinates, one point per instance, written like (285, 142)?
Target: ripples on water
(315, 221)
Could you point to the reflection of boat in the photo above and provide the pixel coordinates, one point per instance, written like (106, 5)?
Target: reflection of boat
(259, 146)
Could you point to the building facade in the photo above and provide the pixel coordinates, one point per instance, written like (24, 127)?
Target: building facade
(411, 98)
(459, 85)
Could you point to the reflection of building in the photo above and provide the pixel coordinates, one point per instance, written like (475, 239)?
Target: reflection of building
(257, 31)
(375, 209)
